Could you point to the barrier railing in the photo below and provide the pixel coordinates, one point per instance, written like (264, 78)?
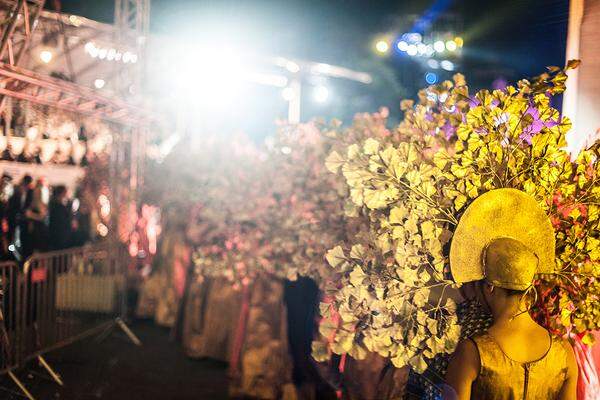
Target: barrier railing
(57, 298)
(9, 281)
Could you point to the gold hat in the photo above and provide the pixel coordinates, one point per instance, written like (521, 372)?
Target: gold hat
(505, 237)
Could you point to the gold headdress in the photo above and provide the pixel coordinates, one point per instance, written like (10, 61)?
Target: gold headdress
(504, 237)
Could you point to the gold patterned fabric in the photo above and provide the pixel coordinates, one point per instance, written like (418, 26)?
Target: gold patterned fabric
(501, 378)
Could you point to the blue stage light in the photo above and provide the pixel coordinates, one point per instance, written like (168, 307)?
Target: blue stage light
(431, 78)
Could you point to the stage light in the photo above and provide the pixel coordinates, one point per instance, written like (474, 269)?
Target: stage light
(109, 54)
(402, 45)
(412, 50)
(451, 45)
(382, 47)
(99, 83)
(421, 49)
(286, 150)
(459, 41)
(429, 50)
(288, 94)
(46, 56)
(102, 229)
(75, 20)
(91, 49)
(413, 37)
(431, 78)
(439, 46)
(32, 133)
(321, 94)
(447, 65)
(208, 77)
(292, 67)
(433, 63)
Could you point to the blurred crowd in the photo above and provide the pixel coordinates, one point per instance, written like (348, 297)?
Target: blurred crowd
(35, 217)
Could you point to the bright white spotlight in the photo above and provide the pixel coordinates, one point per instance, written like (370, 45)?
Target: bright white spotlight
(421, 49)
(292, 67)
(451, 45)
(209, 76)
(412, 50)
(433, 63)
(102, 53)
(382, 47)
(112, 53)
(286, 150)
(447, 65)
(46, 56)
(321, 94)
(402, 45)
(99, 83)
(414, 37)
(439, 46)
(94, 52)
(288, 94)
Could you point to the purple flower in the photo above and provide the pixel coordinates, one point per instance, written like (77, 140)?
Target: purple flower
(526, 137)
(474, 102)
(536, 125)
(499, 83)
(481, 130)
(449, 130)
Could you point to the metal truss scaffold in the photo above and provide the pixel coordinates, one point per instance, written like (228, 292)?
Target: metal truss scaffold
(26, 85)
(17, 29)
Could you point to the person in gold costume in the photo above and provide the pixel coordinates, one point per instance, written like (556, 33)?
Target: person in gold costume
(501, 242)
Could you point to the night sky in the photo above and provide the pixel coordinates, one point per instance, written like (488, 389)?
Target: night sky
(507, 39)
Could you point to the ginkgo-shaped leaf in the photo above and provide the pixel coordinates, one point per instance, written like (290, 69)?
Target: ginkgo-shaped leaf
(335, 256)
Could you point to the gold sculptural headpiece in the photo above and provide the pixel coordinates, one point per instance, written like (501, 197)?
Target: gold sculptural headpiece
(505, 238)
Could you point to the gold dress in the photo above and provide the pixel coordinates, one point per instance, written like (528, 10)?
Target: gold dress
(501, 378)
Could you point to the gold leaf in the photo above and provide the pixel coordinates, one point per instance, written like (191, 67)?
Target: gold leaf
(334, 161)
(335, 256)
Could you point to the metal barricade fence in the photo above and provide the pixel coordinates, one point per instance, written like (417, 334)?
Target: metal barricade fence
(59, 297)
(10, 295)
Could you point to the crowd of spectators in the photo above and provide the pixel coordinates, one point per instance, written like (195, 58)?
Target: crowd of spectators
(35, 217)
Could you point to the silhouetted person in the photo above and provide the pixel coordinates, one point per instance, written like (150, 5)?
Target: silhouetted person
(6, 237)
(18, 205)
(60, 219)
(82, 219)
(37, 216)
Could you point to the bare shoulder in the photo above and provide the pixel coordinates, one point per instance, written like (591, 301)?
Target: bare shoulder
(468, 350)
(463, 370)
(465, 360)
